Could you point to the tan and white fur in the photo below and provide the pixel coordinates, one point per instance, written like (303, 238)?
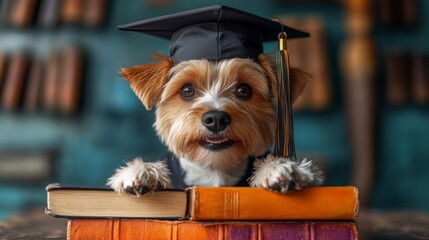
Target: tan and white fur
(239, 95)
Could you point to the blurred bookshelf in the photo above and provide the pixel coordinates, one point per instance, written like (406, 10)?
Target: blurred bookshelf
(101, 124)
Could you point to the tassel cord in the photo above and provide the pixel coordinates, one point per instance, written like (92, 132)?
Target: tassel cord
(284, 144)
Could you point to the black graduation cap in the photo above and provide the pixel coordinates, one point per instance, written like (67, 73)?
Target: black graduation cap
(214, 32)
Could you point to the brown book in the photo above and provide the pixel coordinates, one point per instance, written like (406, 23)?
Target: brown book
(398, 76)
(3, 66)
(14, 81)
(32, 98)
(410, 13)
(71, 11)
(21, 12)
(206, 203)
(385, 11)
(321, 89)
(94, 12)
(420, 80)
(70, 83)
(51, 82)
(117, 229)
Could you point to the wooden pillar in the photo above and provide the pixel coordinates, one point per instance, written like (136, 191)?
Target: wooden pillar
(358, 65)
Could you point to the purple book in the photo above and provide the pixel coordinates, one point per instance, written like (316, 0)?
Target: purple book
(292, 230)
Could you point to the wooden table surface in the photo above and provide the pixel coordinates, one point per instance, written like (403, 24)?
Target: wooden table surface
(33, 225)
(372, 226)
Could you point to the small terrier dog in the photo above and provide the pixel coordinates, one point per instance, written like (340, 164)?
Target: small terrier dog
(218, 120)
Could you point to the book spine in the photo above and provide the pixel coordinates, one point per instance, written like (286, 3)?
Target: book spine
(3, 65)
(51, 82)
(71, 11)
(21, 12)
(71, 81)
(420, 80)
(333, 203)
(120, 229)
(34, 86)
(398, 74)
(48, 13)
(14, 81)
(94, 12)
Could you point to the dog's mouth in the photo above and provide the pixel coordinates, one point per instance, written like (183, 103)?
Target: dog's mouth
(216, 143)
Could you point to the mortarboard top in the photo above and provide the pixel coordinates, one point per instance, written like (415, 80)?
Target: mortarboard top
(214, 33)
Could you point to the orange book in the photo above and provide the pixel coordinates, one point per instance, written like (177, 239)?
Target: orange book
(206, 203)
(139, 229)
(247, 203)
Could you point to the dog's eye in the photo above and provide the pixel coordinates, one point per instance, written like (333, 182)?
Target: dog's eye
(244, 91)
(187, 91)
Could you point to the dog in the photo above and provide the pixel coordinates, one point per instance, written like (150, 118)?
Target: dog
(218, 120)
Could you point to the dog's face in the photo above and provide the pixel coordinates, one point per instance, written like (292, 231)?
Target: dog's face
(215, 114)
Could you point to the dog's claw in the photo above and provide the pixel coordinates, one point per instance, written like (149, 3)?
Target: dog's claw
(275, 187)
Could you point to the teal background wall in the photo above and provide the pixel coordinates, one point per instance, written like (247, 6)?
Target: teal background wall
(113, 126)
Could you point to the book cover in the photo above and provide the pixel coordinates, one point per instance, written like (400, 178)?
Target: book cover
(206, 203)
(247, 203)
(139, 229)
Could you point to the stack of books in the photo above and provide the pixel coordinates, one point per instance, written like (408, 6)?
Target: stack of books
(318, 213)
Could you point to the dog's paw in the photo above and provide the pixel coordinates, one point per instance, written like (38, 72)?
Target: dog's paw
(284, 175)
(138, 177)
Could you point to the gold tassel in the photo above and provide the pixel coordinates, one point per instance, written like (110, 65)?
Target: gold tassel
(284, 141)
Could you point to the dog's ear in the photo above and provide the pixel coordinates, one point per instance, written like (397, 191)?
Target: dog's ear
(147, 81)
(299, 78)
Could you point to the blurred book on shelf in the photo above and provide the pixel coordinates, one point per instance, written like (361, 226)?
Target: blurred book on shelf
(52, 13)
(71, 11)
(51, 81)
(70, 80)
(21, 12)
(26, 166)
(310, 55)
(33, 83)
(95, 12)
(49, 13)
(14, 81)
(398, 72)
(407, 78)
(3, 62)
(420, 80)
(397, 13)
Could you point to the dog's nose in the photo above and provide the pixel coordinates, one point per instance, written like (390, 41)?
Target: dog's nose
(216, 121)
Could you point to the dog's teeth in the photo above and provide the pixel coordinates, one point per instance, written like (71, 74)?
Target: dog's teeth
(216, 140)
